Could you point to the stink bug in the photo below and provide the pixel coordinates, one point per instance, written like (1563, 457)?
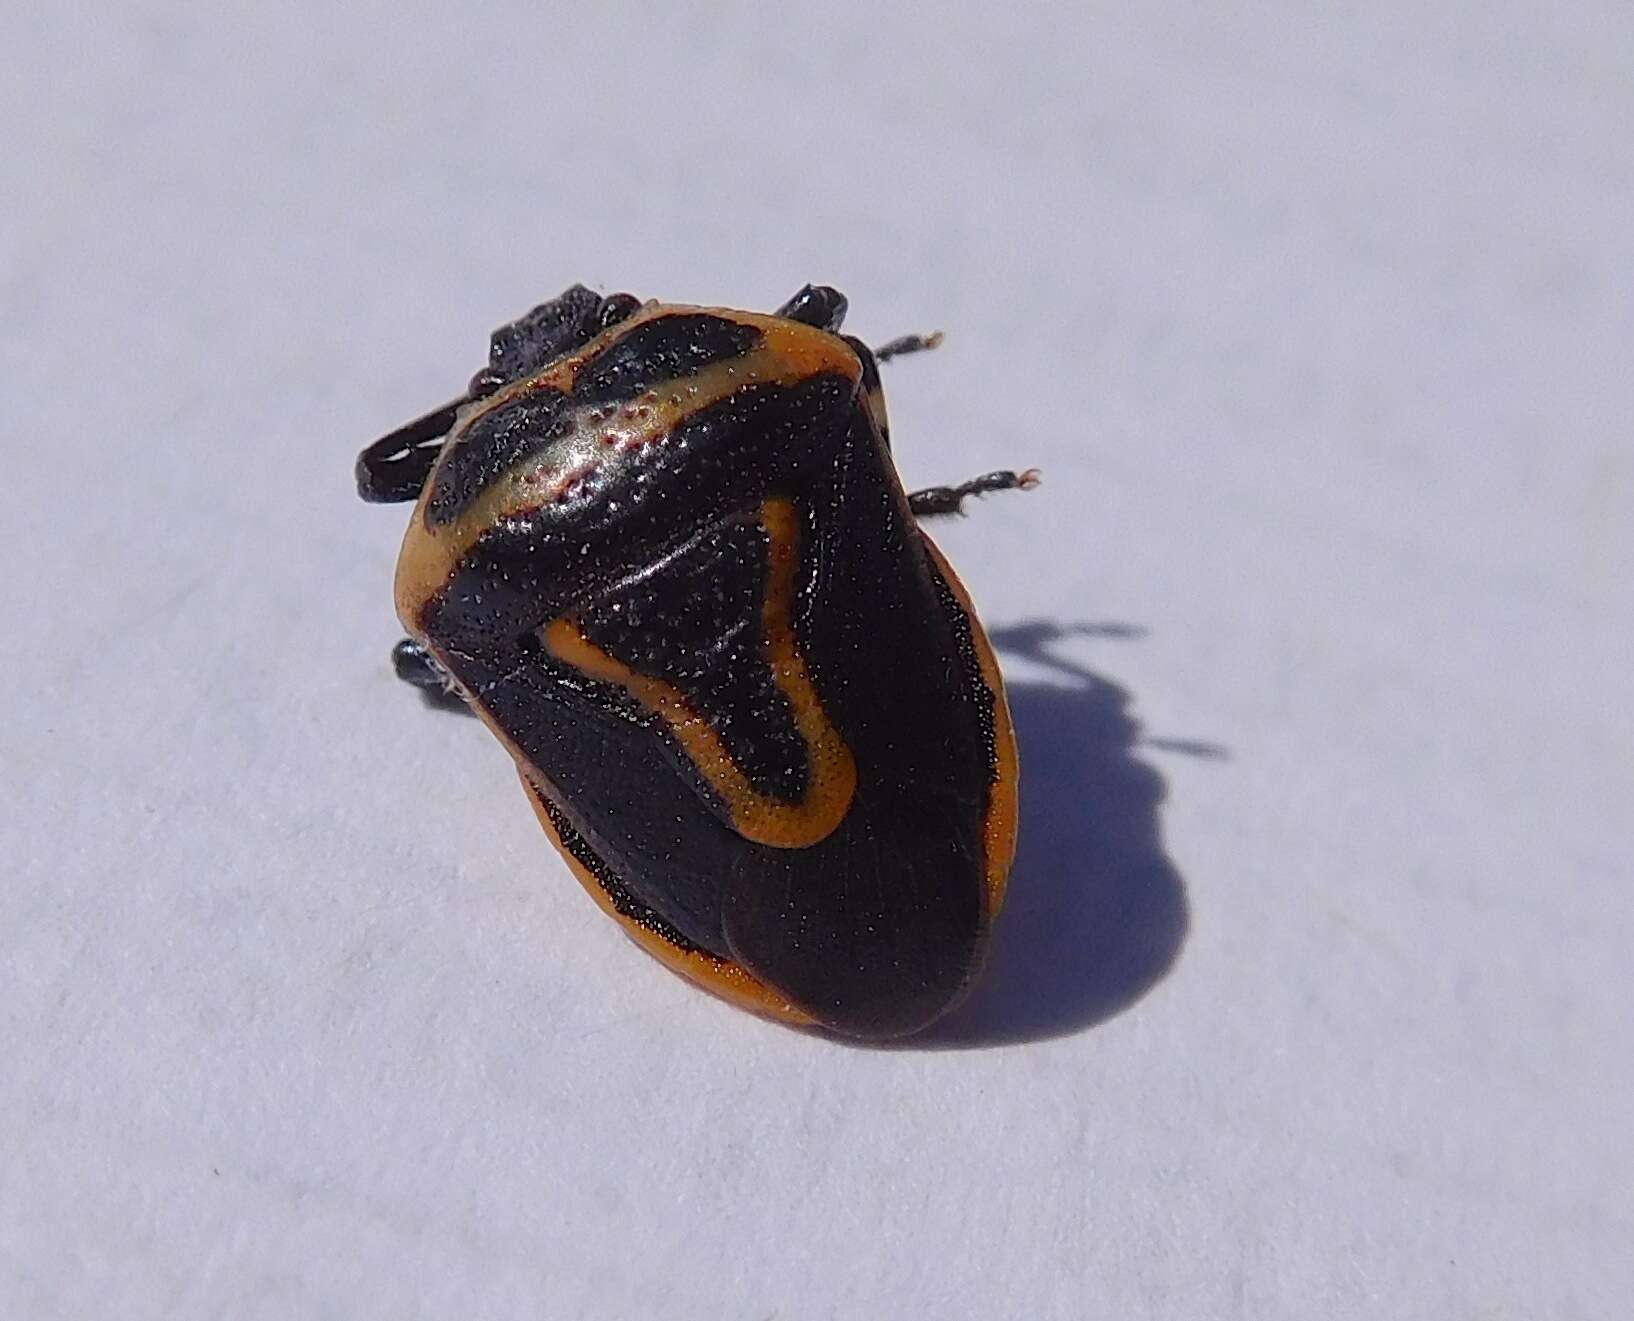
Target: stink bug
(664, 554)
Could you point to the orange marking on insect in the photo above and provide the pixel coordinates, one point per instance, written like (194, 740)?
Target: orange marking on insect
(831, 770)
(788, 353)
(731, 982)
(999, 824)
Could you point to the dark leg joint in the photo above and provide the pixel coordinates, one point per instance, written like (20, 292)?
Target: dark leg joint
(415, 665)
(816, 305)
(934, 500)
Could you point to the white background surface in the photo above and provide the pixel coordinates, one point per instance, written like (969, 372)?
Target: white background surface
(1313, 999)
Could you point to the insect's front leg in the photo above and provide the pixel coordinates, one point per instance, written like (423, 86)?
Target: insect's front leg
(935, 500)
(395, 467)
(895, 348)
(825, 307)
(816, 305)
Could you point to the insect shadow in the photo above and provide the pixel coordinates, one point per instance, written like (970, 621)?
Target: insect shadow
(1096, 912)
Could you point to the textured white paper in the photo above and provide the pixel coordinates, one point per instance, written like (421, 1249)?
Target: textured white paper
(1313, 998)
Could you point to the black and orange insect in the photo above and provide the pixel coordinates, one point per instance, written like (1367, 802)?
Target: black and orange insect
(664, 554)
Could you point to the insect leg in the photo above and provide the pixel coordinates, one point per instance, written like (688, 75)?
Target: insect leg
(816, 305)
(416, 665)
(895, 348)
(934, 500)
(395, 467)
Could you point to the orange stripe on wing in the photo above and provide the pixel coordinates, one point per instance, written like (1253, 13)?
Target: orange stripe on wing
(832, 771)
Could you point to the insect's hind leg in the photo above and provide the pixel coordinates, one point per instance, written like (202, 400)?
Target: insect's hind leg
(936, 500)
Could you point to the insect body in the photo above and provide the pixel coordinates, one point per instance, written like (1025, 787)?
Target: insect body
(663, 553)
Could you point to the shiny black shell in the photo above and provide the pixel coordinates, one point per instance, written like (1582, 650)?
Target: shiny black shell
(665, 555)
